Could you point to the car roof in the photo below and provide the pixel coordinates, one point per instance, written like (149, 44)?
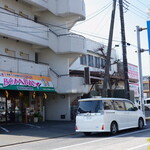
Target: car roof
(101, 98)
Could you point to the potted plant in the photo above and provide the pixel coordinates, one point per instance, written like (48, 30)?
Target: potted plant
(37, 117)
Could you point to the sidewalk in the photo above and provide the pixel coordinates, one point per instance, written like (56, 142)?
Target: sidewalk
(23, 133)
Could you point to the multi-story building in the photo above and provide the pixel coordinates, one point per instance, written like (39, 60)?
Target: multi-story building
(146, 86)
(36, 51)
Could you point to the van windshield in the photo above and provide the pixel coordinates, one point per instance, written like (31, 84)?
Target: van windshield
(89, 106)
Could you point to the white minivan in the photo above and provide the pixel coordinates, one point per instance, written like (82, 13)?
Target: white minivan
(107, 115)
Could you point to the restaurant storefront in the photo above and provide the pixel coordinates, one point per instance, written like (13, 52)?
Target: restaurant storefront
(22, 96)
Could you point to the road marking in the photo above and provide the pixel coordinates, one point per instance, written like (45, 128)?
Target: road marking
(5, 129)
(79, 144)
(147, 144)
(31, 125)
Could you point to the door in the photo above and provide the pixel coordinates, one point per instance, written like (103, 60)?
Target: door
(121, 114)
(132, 114)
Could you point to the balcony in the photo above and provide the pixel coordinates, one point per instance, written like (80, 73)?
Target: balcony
(73, 7)
(40, 4)
(27, 30)
(60, 7)
(23, 66)
(68, 85)
(71, 43)
(14, 26)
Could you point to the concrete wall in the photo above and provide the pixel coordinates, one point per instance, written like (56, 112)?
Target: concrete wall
(57, 105)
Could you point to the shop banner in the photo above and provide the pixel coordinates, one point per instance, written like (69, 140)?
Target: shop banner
(18, 81)
(132, 71)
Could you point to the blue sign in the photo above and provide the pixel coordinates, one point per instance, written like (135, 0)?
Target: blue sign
(148, 31)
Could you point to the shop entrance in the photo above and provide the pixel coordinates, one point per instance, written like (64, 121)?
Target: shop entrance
(13, 106)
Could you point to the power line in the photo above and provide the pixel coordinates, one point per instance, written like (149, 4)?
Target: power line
(85, 33)
(100, 11)
(42, 31)
(140, 11)
(141, 17)
(142, 3)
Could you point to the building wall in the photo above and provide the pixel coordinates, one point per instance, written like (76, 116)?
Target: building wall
(24, 34)
(57, 107)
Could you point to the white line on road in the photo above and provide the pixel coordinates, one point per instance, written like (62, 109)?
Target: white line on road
(4, 129)
(31, 125)
(101, 139)
(139, 146)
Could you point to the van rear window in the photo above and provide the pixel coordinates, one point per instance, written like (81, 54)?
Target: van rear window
(89, 106)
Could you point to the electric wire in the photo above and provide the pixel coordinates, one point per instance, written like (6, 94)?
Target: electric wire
(85, 33)
(93, 16)
(142, 3)
(139, 10)
(11, 29)
(135, 10)
(102, 23)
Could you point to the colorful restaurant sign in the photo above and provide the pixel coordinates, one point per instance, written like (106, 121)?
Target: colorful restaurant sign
(18, 81)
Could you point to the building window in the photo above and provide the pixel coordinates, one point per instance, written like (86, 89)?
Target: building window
(97, 62)
(10, 52)
(83, 60)
(145, 86)
(103, 63)
(24, 55)
(90, 60)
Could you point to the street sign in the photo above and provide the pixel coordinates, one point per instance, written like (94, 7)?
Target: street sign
(148, 31)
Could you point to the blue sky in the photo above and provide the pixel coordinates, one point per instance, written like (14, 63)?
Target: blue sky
(98, 13)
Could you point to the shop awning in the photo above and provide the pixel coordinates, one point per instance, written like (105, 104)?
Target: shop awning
(18, 81)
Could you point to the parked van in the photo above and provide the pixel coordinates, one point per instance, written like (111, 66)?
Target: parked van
(147, 103)
(107, 115)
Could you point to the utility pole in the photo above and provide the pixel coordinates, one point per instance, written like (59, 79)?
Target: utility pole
(138, 29)
(107, 64)
(125, 64)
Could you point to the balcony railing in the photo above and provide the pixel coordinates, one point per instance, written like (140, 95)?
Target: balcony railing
(68, 85)
(18, 65)
(71, 43)
(60, 7)
(13, 25)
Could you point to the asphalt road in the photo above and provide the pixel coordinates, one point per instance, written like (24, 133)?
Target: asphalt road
(125, 140)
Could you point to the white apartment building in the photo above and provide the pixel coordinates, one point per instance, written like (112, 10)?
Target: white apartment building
(95, 59)
(36, 52)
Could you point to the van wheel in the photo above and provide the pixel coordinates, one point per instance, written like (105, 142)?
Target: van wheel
(87, 133)
(113, 128)
(140, 123)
